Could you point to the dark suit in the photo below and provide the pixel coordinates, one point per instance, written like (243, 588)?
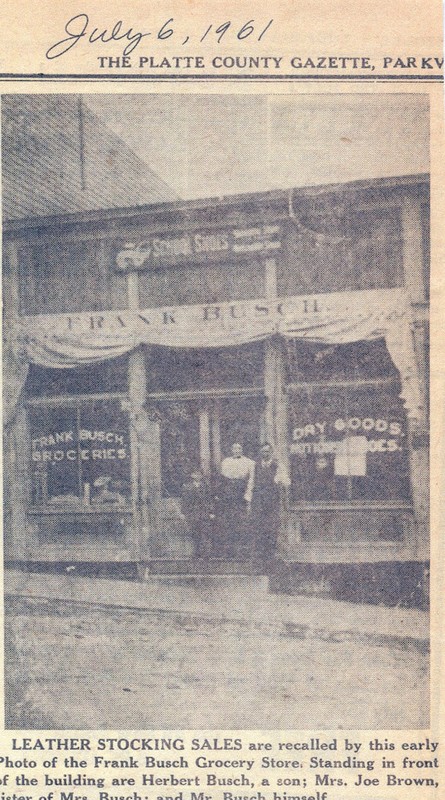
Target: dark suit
(266, 508)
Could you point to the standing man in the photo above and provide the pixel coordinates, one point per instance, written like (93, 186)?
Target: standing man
(270, 478)
(236, 487)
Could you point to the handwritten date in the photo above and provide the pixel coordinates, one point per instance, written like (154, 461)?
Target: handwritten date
(79, 28)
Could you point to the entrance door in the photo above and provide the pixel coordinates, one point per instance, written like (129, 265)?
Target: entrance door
(196, 434)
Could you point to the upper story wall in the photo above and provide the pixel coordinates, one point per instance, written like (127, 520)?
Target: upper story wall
(341, 238)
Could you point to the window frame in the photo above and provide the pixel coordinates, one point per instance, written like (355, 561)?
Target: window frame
(348, 505)
(75, 401)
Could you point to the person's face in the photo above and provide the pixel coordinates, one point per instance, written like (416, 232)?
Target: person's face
(237, 450)
(266, 452)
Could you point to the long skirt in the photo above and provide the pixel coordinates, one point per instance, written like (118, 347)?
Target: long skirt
(235, 534)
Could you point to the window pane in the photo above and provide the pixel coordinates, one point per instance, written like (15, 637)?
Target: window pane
(376, 248)
(54, 456)
(80, 455)
(180, 453)
(104, 452)
(105, 376)
(387, 476)
(334, 249)
(308, 362)
(172, 370)
(211, 283)
(348, 444)
(62, 277)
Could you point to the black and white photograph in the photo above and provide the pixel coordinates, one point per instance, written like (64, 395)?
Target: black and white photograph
(215, 410)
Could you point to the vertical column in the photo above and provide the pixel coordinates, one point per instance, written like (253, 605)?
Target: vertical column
(275, 410)
(271, 357)
(19, 538)
(414, 283)
(204, 439)
(413, 249)
(145, 442)
(275, 413)
(11, 288)
(216, 435)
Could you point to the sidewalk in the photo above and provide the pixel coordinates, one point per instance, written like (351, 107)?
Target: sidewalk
(238, 599)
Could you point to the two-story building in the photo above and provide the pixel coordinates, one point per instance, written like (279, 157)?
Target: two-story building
(145, 340)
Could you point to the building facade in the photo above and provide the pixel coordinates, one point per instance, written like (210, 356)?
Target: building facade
(147, 340)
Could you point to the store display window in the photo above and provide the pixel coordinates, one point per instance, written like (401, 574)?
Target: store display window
(79, 438)
(80, 455)
(348, 437)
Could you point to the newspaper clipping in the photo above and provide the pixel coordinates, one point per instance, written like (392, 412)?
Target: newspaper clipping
(222, 233)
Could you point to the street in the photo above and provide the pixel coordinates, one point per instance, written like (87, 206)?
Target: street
(78, 666)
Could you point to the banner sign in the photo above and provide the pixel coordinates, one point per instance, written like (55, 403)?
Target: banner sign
(68, 340)
(346, 316)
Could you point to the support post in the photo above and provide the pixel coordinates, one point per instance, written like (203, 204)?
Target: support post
(204, 440)
(216, 435)
(275, 412)
(413, 249)
(19, 535)
(271, 357)
(415, 286)
(145, 442)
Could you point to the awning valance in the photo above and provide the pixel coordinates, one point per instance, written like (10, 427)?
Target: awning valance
(71, 340)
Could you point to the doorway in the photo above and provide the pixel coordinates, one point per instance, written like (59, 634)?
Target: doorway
(196, 433)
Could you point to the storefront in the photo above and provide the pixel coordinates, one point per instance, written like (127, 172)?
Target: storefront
(145, 342)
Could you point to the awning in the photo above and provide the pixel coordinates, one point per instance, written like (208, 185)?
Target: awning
(72, 340)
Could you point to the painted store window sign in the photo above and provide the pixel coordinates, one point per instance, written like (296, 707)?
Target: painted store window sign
(80, 454)
(348, 443)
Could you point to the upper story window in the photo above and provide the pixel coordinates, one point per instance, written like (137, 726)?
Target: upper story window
(333, 249)
(192, 284)
(62, 276)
